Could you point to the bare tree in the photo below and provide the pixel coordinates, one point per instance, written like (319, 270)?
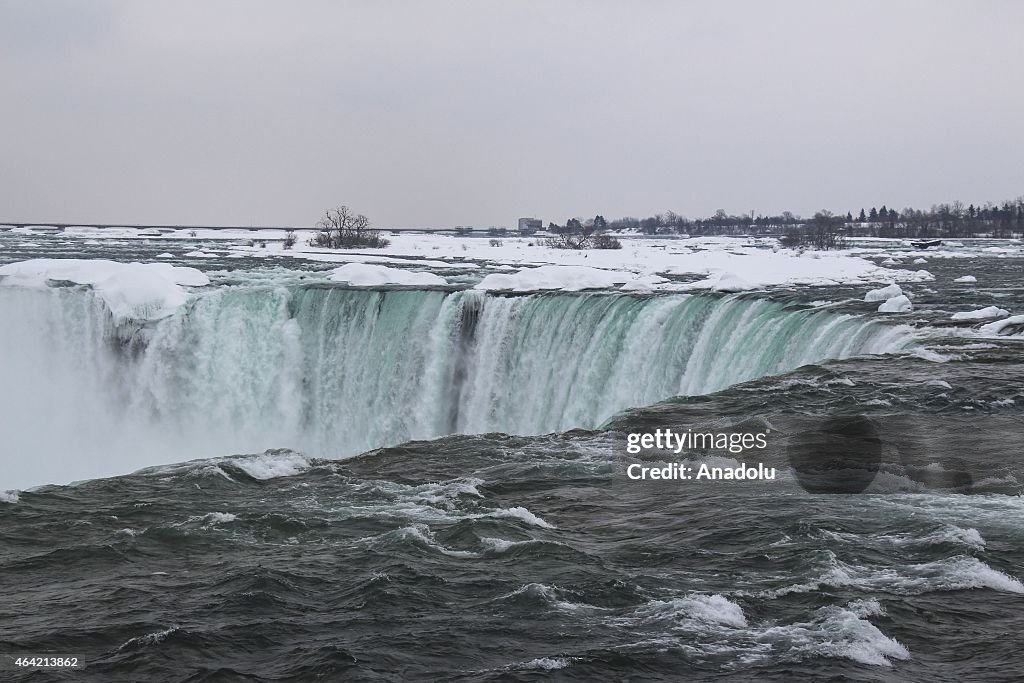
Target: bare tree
(584, 235)
(821, 232)
(341, 228)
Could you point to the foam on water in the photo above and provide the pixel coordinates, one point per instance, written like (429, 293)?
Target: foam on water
(271, 465)
(960, 572)
(545, 664)
(425, 536)
(706, 608)
(522, 514)
(838, 632)
(148, 639)
(213, 518)
(500, 545)
(546, 595)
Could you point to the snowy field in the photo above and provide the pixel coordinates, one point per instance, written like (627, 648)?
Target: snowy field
(517, 264)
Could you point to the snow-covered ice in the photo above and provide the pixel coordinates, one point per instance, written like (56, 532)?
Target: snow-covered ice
(132, 291)
(883, 293)
(566, 278)
(997, 327)
(981, 313)
(897, 304)
(369, 275)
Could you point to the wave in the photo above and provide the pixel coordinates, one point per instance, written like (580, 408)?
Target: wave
(960, 572)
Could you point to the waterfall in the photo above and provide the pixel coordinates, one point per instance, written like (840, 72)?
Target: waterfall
(335, 371)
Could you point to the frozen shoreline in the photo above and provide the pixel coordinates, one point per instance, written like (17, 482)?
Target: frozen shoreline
(644, 263)
(510, 264)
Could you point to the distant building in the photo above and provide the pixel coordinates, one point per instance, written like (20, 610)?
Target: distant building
(528, 226)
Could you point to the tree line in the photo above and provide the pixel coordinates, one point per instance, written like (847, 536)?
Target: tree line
(1003, 220)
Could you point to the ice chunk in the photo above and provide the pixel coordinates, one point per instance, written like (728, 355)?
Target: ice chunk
(884, 293)
(896, 304)
(998, 326)
(981, 313)
(966, 278)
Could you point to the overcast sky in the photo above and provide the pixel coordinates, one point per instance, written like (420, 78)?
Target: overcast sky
(444, 113)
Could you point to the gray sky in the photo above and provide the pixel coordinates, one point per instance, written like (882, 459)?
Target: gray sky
(446, 113)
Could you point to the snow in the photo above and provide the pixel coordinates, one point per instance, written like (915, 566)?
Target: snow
(725, 263)
(897, 304)
(726, 281)
(643, 283)
(966, 278)
(717, 263)
(981, 314)
(132, 291)
(745, 268)
(369, 275)
(884, 293)
(566, 278)
(998, 326)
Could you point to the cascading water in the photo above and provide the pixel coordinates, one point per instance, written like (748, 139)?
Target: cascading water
(335, 371)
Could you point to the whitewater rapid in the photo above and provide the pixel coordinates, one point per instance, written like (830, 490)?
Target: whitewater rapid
(334, 371)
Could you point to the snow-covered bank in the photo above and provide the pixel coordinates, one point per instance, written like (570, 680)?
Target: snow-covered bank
(644, 263)
(667, 263)
(524, 264)
(137, 291)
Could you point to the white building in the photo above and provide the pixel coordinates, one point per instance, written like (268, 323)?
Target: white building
(528, 226)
